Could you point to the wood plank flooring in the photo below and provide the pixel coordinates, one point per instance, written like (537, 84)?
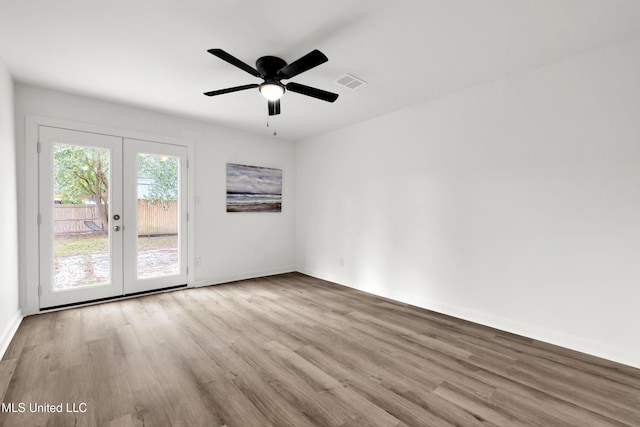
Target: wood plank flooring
(291, 350)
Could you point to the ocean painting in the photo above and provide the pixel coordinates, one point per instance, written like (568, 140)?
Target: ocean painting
(253, 189)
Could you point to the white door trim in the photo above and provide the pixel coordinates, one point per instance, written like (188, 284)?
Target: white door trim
(30, 283)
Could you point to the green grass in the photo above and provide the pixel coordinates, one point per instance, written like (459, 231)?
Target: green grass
(157, 242)
(93, 243)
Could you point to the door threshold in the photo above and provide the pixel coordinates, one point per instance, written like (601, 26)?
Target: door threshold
(109, 299)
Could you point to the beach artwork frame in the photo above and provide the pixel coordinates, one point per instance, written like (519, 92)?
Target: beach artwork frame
(253, 188)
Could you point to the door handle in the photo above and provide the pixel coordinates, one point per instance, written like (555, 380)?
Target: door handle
(116, 228)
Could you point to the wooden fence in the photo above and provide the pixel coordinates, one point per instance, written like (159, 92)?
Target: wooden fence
(70, 218)
(153, 218)
(157, 218)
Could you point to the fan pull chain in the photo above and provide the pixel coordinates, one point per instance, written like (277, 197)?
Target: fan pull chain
(275, 132)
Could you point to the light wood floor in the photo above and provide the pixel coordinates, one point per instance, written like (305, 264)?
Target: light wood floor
(291, 350)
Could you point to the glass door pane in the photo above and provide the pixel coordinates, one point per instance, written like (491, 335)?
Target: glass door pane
(81, 193)
(158, 215)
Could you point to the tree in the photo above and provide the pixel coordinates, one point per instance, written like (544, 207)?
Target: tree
(81, 174)
(161, 174)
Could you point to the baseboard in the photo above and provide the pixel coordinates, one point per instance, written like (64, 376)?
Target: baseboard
(558, 338)
(9, 332)
(530, 331)
(244, 276)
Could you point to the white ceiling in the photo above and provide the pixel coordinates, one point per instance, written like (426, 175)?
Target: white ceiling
(153, 53)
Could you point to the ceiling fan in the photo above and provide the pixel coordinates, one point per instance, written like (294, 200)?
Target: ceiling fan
(273, 70)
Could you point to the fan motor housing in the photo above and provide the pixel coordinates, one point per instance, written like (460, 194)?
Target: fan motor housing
(270, 65)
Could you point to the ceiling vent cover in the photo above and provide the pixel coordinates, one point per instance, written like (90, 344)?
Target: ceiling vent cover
(350, 81)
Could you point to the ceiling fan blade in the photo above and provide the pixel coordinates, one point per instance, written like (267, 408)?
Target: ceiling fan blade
(312, 91)
(230, 89)
(307, 62)
(274, 107)
(235, 61)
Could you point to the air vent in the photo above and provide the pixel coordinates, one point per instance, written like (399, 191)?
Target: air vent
(350, 81)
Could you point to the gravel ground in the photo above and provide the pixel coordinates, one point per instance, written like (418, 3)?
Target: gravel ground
(82, 270)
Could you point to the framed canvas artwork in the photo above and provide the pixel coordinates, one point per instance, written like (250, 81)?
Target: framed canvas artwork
(253, 189)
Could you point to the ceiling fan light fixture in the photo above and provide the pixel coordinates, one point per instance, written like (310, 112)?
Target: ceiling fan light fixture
(272, 70)
(271, 91)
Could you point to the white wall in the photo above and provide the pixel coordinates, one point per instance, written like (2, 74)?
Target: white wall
(230, 246)
(9, 310)
(515, 204)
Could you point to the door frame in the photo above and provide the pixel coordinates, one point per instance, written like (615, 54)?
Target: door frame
(30, 262)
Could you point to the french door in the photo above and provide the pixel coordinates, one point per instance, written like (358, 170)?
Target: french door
(112, 216)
